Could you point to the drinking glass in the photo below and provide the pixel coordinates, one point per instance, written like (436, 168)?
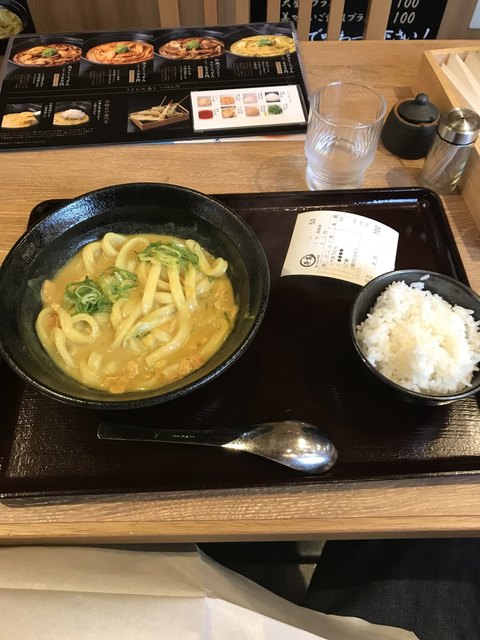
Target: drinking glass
(344, 126)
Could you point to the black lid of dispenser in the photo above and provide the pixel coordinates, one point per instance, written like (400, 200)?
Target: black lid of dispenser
(419, 110)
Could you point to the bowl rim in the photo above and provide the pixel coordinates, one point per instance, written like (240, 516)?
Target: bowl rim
(18, 10)
(30, 40)
(396, 275)
(106, 38)
(155, 396)
(206, 33)
(262, 30)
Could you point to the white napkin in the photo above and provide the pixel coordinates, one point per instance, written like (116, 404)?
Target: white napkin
(72, 593)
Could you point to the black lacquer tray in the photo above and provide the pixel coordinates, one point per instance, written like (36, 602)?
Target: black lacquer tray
(301, 365)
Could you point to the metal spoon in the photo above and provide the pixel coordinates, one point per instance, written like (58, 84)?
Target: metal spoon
(295, 444)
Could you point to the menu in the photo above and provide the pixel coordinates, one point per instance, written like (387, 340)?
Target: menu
(163, 85)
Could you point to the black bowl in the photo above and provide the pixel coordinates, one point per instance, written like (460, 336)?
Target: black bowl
(187, 33)
(24, 43)
(449, 289)
(19, 10)
(115, 36)
(128, 208)
(257, 30)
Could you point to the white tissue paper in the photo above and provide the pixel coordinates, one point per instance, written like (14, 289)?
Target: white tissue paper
(73, 593)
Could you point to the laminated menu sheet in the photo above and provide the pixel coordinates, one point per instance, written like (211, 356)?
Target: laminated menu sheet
(163, 85)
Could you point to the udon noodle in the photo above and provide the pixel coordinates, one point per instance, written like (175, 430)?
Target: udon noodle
(263, 46)
(48, 55)
(192, 48)
(120, 52)
(134, 312)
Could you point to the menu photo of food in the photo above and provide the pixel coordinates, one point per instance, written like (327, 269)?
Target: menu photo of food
(194, 46)
(72, 114)
(166, 85)
(263, 45)
(21, 116)
(10, 23)
(46, 53)
(118, 52)
(250, 107)
(166, 112)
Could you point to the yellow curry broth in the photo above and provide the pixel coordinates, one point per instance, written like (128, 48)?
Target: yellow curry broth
(125, 368)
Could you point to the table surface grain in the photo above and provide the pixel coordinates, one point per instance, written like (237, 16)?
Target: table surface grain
(420, 507)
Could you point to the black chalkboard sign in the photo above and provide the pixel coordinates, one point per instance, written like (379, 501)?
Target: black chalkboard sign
(408, 20)
(415, 19)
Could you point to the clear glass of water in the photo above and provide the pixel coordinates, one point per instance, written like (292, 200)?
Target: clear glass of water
(344, 126)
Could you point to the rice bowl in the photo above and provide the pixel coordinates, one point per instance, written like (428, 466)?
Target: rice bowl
(417, 332)
(420, 341)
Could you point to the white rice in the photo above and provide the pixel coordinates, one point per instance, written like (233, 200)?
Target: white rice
(73, 114)
(420, 341)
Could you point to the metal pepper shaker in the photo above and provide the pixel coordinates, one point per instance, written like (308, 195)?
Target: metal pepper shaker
(457, 131)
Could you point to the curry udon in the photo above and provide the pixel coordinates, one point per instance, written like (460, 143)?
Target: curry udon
(134, 312)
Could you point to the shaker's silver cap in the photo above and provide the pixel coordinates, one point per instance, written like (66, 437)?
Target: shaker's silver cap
(459, 126)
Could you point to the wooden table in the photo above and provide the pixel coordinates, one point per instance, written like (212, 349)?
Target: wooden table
(448, 506)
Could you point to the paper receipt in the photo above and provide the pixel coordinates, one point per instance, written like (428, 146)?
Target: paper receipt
(337, 244)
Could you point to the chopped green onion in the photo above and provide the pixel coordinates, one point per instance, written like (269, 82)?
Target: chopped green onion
(49, 52)
(117, 283)
(171, 255)
(86, 297)
(89, 296)
(122, 48)
(265, 42)
(192, 45)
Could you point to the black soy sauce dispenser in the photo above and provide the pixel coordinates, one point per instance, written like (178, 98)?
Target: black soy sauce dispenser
(410, 127)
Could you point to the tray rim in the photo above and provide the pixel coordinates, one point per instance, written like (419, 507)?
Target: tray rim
(225, 198)
(310, 194)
